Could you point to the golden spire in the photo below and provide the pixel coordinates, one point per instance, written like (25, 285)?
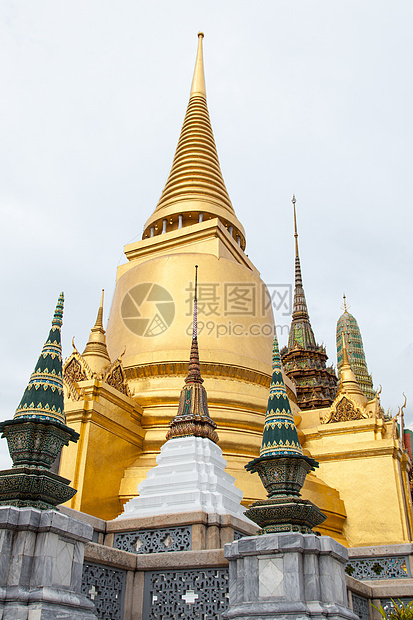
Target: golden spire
(195, 190)
(198, 81)
(95, 352)
(345, 307)
(348, 383)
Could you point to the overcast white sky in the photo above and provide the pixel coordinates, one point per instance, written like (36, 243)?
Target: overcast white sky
(312, 97)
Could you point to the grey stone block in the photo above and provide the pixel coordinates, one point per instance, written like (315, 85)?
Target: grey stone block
(250, 578)
(240, 573)
(29, 518)
(26, 569)
(231, 550)
(333, 548)
(270, 542)
(311, 577)
(246, 545)
(233, 580)
(77, 571)
(9, 517)
(311, 543)
(290, 577)
(293, 542)
(41, 566)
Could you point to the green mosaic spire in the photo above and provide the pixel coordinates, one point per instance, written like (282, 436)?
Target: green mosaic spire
(43, 397)
(280, 436)
(347, 326)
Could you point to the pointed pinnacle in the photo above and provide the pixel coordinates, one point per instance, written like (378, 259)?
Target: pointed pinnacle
(194, 369)
(58, 313)
(198, 81)
(296, 237)
(345, 307)
(99, 318)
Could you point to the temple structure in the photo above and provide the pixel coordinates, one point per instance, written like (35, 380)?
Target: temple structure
(304, 360)
(99, 407)
(123, 392)
(355, 444)
(190, 472)
(348, 328)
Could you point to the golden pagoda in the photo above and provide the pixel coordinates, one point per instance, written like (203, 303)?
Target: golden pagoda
(123, 391)
(194, 222)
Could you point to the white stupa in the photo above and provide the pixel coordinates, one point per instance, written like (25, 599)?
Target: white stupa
(190, 474)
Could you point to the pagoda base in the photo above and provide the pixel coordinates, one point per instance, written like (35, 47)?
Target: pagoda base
(190, 476)
(287, 577)
(41, 565)
(33, 487)
(285, 514)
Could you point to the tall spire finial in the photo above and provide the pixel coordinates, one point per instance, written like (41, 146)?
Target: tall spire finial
(195, 321)
(193, 417)
(345, 307)
(295, 226)
(198, 81)
(298, 277)
(58, 313)
(304, 360)
(99, 318)
(194, 369)
(195, 189)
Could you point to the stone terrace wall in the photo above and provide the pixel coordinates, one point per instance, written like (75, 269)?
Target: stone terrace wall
(123, 583)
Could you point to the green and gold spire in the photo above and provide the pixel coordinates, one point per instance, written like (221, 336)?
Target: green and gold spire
(280, 434)
(37, 433)
(282, 466)
(43, 397)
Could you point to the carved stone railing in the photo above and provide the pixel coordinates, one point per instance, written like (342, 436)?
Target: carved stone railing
(361, 606)
(105, 586)
(379, 568)
(159, 540)
(196, 593)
